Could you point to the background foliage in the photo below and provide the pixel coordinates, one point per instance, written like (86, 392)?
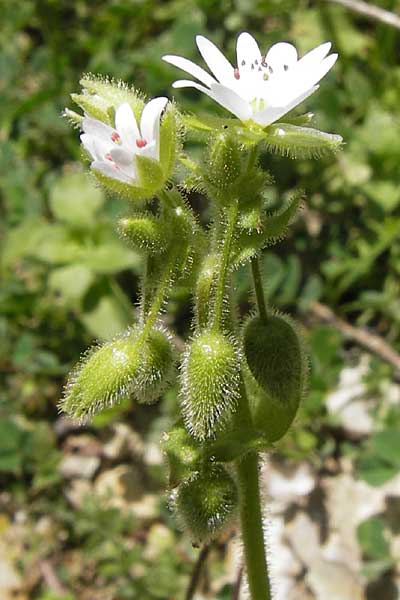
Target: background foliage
(67, 279)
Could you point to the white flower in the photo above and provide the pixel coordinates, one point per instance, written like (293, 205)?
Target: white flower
(261, 88)
(114, 149)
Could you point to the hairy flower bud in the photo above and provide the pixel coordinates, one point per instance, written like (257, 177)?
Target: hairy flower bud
(103, 377)
(276, 360)
(206, 502)
(223, 166)
(210, 383)
(156, 367)
(144, 231)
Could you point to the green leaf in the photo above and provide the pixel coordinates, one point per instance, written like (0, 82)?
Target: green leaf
(235, 445)
(375, 471)
(386, 446)
(107, 319)
(75, 200)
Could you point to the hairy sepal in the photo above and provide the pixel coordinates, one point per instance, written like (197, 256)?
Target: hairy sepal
(294, 141)
(205, 282)
(113, 92)
(210, 383)
(277, 362)
(274, 228)
(206, 502)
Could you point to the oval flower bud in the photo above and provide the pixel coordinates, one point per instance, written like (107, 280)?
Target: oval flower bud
(224, 165)
(210, 383)
(145, 232)
(156, 367)
(276, 360)
(206, 502)
(103, 377)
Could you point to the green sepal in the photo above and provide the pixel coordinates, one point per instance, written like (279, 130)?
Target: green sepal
(286, 139)
(182, 454)
(150, 175)
(73, 118)
(169, 140)
(223, 165)
(247, 134)
(113, 92)
(301, 120)
(94, 106)
(274, 228)
(145, 232)
(126, 190)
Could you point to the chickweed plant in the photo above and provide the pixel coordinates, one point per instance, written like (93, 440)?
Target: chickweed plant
(241, 382)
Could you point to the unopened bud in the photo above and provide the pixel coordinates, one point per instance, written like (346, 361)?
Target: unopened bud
(156, 367)
(182, 454)
(144, 231)
(210, 383)
(206, 502)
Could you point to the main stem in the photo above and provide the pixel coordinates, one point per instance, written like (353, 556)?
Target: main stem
(251, 515)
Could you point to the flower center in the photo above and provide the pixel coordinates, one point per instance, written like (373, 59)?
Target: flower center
(141, 143)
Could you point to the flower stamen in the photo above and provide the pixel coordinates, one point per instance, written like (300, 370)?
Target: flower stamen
(141, 143)
(115, 137)
(236, 73)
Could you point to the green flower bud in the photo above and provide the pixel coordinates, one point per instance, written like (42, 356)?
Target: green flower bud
(156, 367)
(206, 502)
(144, 231)
(210, 383)
(182, 454)
(103, 377)
(301, 142)
(276, 359)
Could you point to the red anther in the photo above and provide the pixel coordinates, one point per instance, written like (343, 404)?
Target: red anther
(115, 136)
(141, 143)
(109, 157)
(236, 73)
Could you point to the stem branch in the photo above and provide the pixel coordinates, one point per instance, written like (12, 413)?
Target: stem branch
(258, 288)
(225, 257)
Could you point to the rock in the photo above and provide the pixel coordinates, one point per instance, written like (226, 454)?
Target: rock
(348, 402)
(334, 581)
(124, 443)
(286, 483)
(78, 491)
(83, 444)
(74, 465)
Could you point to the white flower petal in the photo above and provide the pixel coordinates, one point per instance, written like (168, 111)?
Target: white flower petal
(221, 94)
(88, 143)
(247, 50)
(121, 156)
(150, 121)
(231, 101)
(216, 61)
(281, 57)
(125, 123)
(315, 55)
(97, 128)
(190, 67)
(111, 170)
(273, 113)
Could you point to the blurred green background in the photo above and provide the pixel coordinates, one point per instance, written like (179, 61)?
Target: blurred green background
(66, 280)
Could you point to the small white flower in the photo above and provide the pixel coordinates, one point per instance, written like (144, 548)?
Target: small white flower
(114, 149)
(262, 88)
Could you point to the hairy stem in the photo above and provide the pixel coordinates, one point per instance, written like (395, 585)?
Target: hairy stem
(258, 288)
(232, 214)
(251, 514)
